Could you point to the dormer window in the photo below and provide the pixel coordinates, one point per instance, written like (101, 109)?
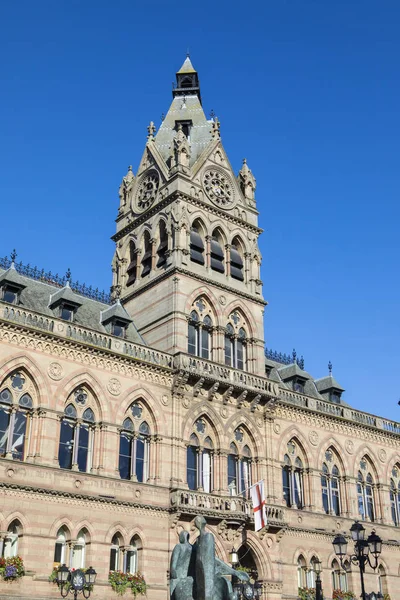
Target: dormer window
(118, 328)
(298, 385)
(186, 127)
(10, 294)
(67, 311)
(335, 396)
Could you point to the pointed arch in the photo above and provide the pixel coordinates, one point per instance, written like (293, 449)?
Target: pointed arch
(293, 433)
(17, 516)
(61, 522)
(372, 460)
(116, 528)
(84, 524)
(330, 442)
(209, 296)
(262, 559)
(239, 306)
(77, 380)
(24, 362)
(243, 421)
(138, 392)
(212, 417)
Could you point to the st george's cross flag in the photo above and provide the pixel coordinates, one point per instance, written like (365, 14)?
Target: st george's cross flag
(258, 499)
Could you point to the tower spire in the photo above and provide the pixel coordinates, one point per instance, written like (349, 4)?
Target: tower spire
(187, 80)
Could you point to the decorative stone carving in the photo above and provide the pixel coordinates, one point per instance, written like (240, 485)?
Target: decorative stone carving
(114, 386)
(349, 445)
(55, 371)
(147, 190)
(218, 187)
(223, 412)
(313, 437)
(277, 428)
(382, 455)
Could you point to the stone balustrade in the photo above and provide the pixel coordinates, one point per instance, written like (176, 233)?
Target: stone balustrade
(221, 373)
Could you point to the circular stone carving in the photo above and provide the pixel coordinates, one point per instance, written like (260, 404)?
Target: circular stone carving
(313, 437)
(382, 455)
(349, 446)
(222, 300)
(55, 371)
(223, 412)
(185, 402)
(300, 519)
(259, 422)
(137, 494)
(147, 190)
(277, 428)
(10, 472)
(269, 542)
(218, 187)
(164, 400)
(114, 386)
(78, 483)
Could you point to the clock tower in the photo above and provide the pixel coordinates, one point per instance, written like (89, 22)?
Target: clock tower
(187, 263)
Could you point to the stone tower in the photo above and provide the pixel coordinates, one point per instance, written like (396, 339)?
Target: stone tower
(187, 263)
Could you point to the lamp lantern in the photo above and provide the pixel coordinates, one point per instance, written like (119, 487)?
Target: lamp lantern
(62, 574)
(340, 545)
(90, 576)
(233, 557)
(375, 544)
(357, 532)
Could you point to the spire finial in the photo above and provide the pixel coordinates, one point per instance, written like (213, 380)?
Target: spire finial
(151, 130)
(187, 53)
(216, 134)
(330, 367)
(68, 277)
(294, 355)
(13, 256)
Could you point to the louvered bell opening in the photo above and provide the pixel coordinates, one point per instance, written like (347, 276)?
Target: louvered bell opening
(146, 263)
(132, 272)
(161, 251)
(236, 265)
(217, 256)
(196, 248)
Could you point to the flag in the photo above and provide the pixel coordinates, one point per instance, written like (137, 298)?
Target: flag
(258, 499)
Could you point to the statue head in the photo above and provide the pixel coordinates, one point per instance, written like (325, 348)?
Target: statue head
(183, 537)
(200, 523)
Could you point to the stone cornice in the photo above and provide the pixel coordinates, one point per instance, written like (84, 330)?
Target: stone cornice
(82, 499)
(180, 271)
(177, 195)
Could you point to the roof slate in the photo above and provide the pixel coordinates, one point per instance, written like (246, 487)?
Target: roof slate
(36, 297)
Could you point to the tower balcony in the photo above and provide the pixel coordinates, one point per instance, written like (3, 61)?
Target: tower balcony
(232, 509)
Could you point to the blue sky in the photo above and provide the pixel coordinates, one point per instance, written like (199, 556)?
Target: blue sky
(307, 91)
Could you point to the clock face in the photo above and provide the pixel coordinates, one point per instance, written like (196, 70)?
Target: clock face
(218, 187)
(147, 190)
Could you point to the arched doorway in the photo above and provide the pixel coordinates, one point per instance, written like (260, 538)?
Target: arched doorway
(247, 562)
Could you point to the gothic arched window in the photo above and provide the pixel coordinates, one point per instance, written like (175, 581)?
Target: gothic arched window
(200, 328)
(75, 449)
(163, 244)
(197, 244)
(237, 260)
(301, 572)
(217, 254)
(60, 547)
(115, 551)
(395, 496)
(16, 406)
(239, 463)
(339, 577)
(200, 458)
(147, 254)
(235, 342)
(330, 485)
(293, 477)
(132, 561)
(134, 448)
(365, 492)
(11, 539)
(132, 267)
(79, 550)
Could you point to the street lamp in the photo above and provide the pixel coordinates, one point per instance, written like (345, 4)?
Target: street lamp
(318, 585)
(363, 550)
(75, 581)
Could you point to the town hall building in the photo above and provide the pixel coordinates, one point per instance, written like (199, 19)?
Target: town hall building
(122, 417)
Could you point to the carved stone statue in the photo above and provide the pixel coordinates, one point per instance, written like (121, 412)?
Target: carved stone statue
(196, 573)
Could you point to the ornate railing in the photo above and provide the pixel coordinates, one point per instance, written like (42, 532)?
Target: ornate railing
(195, 501)
(221, 373)
(147, 354)
(284, 359)
(57, 280)
(88, 337)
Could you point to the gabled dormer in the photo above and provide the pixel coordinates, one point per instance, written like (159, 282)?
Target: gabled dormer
(115, 319)
(11, 285)
(65, 303)
(329, 388)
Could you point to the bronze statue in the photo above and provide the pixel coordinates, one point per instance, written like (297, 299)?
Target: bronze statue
(196, 573)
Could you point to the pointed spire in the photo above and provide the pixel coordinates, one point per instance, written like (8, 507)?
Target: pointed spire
(187, 66)
(247, 182)
(13, 256)
(215, 131)
(330, 367)
(151, 131)
(68, 278)
(187, 81)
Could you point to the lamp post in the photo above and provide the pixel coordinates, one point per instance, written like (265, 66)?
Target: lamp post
(318, 585)
(363, 550)
(75, 581)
